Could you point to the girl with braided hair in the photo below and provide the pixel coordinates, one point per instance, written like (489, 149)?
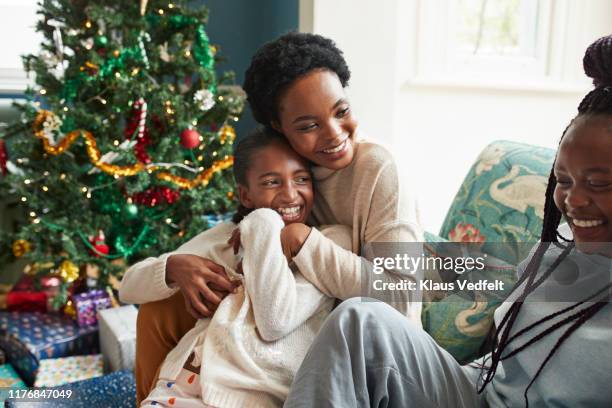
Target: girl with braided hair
(553, 337)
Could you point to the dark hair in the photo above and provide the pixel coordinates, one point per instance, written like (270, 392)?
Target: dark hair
(280, 62)
(598, 66)
(244, 151)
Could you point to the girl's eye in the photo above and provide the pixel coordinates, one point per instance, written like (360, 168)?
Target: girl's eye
(308, 127)
(268, 183)
(303, 179)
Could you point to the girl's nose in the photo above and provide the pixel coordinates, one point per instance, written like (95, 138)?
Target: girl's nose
(289, 192)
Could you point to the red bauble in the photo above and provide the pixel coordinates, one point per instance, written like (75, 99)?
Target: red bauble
(190, 138)
(99, 244)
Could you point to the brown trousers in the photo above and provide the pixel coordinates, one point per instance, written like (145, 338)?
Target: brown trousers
(159, 328)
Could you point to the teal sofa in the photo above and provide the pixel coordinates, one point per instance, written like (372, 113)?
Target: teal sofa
(499, 208)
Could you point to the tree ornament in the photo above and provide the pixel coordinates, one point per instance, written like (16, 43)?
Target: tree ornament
(101, 41)
(99, 245)
(21, 247)
(143, 51)
(130, 211)
(68, 271)
(227, 134)
(190, 138)
(137, 127)
(143, 7)
(95, 156)
(3, 157)
(204, 99)
(60, 65)
(69, 309)
(156, 196)
(88, 43)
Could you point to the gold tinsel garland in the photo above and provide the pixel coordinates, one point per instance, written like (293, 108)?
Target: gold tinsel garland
(94, 155)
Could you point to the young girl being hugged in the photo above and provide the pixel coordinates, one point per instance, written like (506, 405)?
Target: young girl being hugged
(251, 348)
(296, 85)
(553, 333)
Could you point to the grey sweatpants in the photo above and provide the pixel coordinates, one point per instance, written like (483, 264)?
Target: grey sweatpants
(369, 355)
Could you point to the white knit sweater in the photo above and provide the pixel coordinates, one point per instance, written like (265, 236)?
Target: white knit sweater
(253, 345)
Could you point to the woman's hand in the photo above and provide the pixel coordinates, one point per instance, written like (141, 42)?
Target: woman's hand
(293, 237)
(203, 282)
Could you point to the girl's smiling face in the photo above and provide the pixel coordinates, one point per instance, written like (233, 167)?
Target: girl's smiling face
(583, 170)
(278, 178)
(315, 116)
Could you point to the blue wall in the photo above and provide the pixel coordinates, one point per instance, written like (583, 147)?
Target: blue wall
(239, 27)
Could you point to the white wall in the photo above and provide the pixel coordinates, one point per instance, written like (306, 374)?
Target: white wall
(437, 128)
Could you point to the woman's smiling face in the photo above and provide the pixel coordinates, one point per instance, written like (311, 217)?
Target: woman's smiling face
(583, 170)
(315, 116)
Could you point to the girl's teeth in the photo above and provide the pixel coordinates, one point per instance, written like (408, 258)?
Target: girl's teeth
(289, 211)
(335, 149)
(587, 223)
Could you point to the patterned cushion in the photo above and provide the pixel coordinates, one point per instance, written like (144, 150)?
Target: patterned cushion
(501, 200)
(500, 205)
(460, 322)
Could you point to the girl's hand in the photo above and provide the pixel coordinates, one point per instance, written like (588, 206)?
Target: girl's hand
(203, 282)
(234, 240)
(293, 237)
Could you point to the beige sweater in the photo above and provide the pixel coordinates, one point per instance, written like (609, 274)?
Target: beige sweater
(252, 347)
(369, 196)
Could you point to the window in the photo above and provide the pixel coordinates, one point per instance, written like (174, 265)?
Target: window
(483, 38)
(17, 22)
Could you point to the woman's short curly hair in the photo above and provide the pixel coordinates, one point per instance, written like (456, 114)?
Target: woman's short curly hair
(280, 62)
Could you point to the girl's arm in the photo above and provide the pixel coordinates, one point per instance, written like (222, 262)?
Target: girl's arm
(342, 274)
(281, 301)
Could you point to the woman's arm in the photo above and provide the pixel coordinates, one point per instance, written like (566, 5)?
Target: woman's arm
(281, 301)
(185, 269)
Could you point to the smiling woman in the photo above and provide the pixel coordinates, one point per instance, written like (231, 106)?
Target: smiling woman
(295, 85)
(316, 118)
(583, 170)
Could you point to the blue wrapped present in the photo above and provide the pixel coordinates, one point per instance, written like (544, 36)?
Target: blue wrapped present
(214, 219)
(117, 390)
(28, 338)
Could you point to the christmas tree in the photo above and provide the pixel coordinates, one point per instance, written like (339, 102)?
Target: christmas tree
(123, 149)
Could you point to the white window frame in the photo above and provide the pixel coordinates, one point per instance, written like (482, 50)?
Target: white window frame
(567, 26)
(437, 61)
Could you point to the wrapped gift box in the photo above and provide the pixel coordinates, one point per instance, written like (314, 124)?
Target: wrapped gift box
(28, 296)
(9, 379)
(58, 371)
(118, 337)
(87, 305)
(117, 390)
(27, 338)
(4, 291)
